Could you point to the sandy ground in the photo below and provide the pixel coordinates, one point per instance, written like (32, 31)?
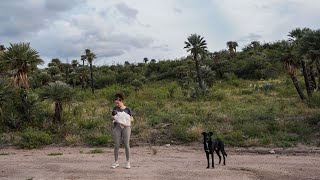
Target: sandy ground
(174, 162)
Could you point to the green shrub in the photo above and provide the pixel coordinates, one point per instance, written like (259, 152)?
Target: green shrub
(254, 130)
(32, 138)
(266, 87)
(72, 139)
(235, 82)
(90, 123)
(98, 139)
(314, 101)
(217, 96)
(246, 91)
(314, 120)
(234, 138)
(180, 132)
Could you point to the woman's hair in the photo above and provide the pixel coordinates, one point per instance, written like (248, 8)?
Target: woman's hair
(119, 96)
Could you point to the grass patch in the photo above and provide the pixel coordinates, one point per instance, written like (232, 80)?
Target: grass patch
(55, 154)
(96, 151)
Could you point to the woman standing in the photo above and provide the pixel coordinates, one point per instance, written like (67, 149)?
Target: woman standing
(120, 131)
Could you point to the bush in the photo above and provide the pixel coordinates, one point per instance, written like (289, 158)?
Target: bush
(179, 132)
(32, 138)
(90, 124)
(72, 139)
(98, 139)
(217, 96)
(234, 138)
(246, 91)
(266, 87)
(314, 101)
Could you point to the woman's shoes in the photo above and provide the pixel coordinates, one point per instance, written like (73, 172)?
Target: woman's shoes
(128, 165)
(115, 165)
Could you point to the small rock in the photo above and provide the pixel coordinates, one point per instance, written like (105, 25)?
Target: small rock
(167, 145)
(272, 152)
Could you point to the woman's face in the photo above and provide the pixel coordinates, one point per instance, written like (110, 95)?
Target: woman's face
(119, 103)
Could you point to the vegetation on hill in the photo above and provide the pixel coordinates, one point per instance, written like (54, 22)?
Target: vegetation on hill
(265, 95)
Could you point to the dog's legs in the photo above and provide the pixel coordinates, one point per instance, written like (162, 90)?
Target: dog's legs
(212, 158)
(224, 154)
(218, 153)
(207, 154)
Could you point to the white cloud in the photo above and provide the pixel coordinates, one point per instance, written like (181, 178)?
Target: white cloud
(133, 29)
(268, 20)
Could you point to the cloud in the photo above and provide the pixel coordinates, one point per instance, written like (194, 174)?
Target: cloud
(131, 30)
(250, 37)
(127, 11)
(177, 10)
(67, 37)
(270, 19)
(22, 19)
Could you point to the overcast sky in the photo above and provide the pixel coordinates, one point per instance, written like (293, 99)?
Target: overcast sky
(129, 30)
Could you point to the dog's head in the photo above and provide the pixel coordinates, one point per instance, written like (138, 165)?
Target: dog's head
(206, 136)
(114, 113)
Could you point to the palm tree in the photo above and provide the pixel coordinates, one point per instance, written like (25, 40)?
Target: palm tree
(20, 59)
(291, 67)
(2, 48)
(73, 78)
(83, 58)
(310, 47)
(235, 45)
(232, 46)
(74, 64)
(59, 93)
(197, 46)
(295, 36)
(82, 72)
(145, 60)
(90, 56)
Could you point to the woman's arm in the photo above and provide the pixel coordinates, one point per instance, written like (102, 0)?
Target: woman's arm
(131, 119)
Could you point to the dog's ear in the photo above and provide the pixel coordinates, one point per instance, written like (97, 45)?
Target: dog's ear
(210, 133)
(203, 133)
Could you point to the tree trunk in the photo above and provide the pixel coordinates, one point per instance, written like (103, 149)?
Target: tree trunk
(313, 79)
(82, 79)
(306, 78)
(318, 68)
(296, 84)
(58, 112)
(91, 77)
(25, 106)
(198, 73)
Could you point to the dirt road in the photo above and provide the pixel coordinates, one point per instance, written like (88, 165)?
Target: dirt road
(174, 162)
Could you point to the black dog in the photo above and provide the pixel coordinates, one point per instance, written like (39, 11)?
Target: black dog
(211, 145)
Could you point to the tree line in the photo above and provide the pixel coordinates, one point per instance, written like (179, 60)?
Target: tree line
(22, 82)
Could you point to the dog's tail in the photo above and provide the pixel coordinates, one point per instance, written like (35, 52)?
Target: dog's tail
(222, 149)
